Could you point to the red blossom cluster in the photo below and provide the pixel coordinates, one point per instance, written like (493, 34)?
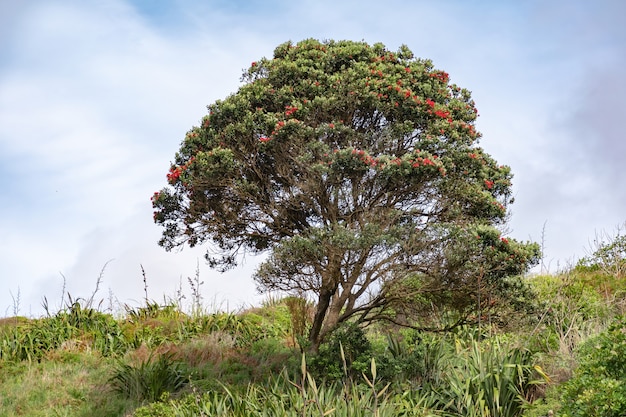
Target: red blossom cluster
(381, 164)
(489, 184)
(289, 110)
(174, 174)
(176, 171)
(442, 113)
(264, 139)
(504, 240)
(441, 76)
(422, 162)
(430, 103)
(365, 158)
(278, 126)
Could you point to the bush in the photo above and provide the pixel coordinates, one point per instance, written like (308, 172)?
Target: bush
(413, 360)
(598, 387)
(331, 364)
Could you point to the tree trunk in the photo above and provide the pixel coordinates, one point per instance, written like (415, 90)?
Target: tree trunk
(320, 313)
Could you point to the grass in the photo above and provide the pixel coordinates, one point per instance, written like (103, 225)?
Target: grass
(64, 384)
(156, 360)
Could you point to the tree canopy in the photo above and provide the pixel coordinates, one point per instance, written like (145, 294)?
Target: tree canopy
(358, 171)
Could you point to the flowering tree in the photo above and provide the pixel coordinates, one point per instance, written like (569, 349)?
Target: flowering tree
(358, 170)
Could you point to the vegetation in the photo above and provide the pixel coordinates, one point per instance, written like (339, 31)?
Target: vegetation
(358, 169)
(156, 360)
(361, 177)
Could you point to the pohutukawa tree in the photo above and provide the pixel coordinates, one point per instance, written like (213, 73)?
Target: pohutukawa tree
(358, 170)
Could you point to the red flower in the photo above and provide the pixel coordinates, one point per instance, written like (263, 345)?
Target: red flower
(331, 125)
(174, 174)
(489, 184)
(430, 103)
(289, 110)
(442, 113)
(264, 139)
(441, 75)
(504, 240)
(254, 63)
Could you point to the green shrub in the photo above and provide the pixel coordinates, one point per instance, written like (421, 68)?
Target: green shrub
(329, 362)
(412, 360)
(598, 387)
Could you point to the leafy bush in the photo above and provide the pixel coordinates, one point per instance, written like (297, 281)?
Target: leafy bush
(413, 360)
(346, 347)
(598, 387)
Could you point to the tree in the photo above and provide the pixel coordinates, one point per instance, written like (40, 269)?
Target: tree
(359, 171)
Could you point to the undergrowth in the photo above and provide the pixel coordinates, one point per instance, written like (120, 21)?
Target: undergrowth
(156, 360)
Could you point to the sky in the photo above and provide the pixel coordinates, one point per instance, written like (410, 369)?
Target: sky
(96, 97)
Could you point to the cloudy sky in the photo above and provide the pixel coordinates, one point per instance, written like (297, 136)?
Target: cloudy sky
(96, 96)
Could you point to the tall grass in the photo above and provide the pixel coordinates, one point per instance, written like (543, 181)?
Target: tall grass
(149, 379)
(303, 398)
(489, 379)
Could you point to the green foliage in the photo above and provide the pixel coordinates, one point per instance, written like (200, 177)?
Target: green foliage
(346, 354)
(149, 379)
(282, 397)
(489, 379)
(572, 307)
(412, 361)
(86, 326)
(486, 379)
(598, 387)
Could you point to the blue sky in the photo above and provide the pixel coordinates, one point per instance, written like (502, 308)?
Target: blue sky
(96, 96)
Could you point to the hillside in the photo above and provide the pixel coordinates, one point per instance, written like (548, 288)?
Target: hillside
(156, 360)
